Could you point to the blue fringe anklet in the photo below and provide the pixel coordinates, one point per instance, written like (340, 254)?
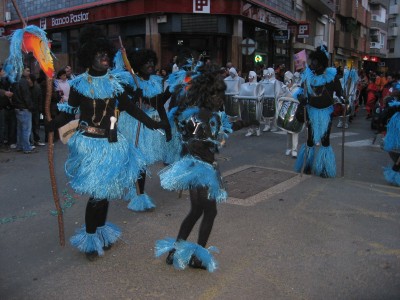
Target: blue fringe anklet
(141, 202)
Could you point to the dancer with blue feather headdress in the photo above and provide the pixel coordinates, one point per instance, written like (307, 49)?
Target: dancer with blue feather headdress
(319, 83)
(150, 96)
(101, 162)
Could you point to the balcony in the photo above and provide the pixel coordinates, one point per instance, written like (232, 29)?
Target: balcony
(347, 40)
(380, 25)
(324, 7)
(349, 9)
(394, 9)
(375, 45)
(377, 18)
(393, 31)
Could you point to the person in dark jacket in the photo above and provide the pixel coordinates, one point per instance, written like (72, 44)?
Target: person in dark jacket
(23, 105)
(36, 93)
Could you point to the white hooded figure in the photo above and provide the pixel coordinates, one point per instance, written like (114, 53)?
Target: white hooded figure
(233, 82)
(290, 90)
(251, 88)
(272, 89)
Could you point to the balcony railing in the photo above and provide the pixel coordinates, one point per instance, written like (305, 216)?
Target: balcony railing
(322, 6)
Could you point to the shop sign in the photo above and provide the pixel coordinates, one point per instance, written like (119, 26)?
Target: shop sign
(201, 6)
(261, 15)
(281, 35)
(303, 31)
(65, 20)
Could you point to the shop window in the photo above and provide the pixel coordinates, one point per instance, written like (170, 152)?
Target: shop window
(56, 45)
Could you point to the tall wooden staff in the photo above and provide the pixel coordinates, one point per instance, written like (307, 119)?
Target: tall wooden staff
(50, 155)
(50, 158)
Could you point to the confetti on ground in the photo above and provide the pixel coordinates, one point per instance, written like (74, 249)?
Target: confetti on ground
(69, 200)
(12, 219)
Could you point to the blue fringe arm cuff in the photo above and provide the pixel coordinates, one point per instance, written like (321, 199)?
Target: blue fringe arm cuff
(65, 107)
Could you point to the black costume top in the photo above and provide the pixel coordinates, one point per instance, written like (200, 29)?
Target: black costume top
(96, 112)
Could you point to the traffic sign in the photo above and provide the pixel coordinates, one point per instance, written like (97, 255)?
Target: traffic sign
(248, 46)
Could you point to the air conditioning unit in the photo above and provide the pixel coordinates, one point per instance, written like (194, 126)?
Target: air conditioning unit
(375, 18)
(374, 45)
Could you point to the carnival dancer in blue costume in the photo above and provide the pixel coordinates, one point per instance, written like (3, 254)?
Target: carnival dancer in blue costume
(178, 84)
(101, 163)
(201, 126)
(392, 138)
(150, 96)
(319, 84)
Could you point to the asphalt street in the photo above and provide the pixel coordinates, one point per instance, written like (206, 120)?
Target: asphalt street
(280, 235)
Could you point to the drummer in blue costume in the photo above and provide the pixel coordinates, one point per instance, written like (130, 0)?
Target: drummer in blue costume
(319, 84)
(101, 162)
(201, 126)
(152, 143)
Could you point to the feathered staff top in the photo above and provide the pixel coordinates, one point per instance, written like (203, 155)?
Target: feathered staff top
(29, 39)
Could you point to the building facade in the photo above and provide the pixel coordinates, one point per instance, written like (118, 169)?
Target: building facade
(225, 30)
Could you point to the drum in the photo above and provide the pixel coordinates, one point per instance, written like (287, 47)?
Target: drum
(338, 109)
(232, 86)
(286, 119)
(268, 107)
(250, 108)
(251, 90)
(231, 105)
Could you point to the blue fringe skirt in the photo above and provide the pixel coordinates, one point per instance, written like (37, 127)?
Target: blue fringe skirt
(190, 172)
(101, 169)
(151, 142)
(319, 120)
(173, 147)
